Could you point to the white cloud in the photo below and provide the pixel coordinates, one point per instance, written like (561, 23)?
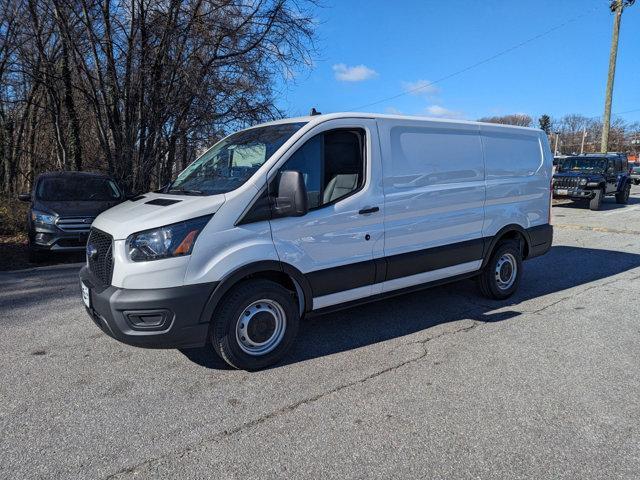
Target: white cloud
(420, 87)
(441, 112)
(358, 73)
(392, 111)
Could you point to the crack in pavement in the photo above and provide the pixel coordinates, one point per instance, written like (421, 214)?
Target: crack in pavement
(568, 226)
(294, 406)
(581, 292)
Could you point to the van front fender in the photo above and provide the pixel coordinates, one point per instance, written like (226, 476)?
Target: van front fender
(260, 268)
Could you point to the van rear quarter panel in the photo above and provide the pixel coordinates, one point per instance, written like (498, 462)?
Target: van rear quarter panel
(433, 178)
(518, 175)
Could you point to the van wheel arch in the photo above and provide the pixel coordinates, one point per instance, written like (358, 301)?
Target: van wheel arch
(284, 274)
(509, 232)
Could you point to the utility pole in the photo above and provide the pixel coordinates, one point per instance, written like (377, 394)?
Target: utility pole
(617, 7)
(584, 136)
(555, 149)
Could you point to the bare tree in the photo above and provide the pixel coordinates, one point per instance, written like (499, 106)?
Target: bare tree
(518, 119)
(136, 87)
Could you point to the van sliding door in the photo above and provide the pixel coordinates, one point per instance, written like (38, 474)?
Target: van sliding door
(433, 180)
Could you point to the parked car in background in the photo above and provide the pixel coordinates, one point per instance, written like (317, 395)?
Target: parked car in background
(635, 174)
(557, 160)
(63, 206)
(592, 177)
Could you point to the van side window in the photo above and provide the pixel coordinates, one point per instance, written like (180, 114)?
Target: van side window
(332, 165)
(307, 160)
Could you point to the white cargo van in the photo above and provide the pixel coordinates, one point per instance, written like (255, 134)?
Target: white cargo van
(301, 216)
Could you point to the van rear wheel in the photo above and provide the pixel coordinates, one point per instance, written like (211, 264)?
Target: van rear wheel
(500, 278)
(255, 325)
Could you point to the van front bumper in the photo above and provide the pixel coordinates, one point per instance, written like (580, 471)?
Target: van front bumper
(151, 318)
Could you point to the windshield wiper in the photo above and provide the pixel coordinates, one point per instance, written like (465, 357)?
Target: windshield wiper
(183, 191)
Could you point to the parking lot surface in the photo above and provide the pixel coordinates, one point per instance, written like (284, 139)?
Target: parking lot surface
(441, 383)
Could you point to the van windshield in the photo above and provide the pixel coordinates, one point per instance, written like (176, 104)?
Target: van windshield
(232, 161)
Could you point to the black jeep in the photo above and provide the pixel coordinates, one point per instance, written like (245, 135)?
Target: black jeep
(592, 177)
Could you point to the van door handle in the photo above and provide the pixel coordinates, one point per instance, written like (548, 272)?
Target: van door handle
(366, 210)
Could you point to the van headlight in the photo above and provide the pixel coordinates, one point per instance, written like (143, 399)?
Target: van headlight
(42, 218)
(173, 240)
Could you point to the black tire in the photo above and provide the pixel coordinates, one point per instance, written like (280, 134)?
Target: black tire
(622, 197)
(596, 201)
(488, 283)
(267, 300)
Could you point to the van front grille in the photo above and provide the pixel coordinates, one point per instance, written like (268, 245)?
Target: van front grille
(101, 263)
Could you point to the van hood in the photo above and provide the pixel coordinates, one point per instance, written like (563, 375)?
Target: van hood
(153, 210)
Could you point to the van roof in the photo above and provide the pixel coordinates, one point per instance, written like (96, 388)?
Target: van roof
(315, 119)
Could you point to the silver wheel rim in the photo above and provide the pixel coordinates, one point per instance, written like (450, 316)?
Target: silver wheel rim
(261, 327)
(506, 271)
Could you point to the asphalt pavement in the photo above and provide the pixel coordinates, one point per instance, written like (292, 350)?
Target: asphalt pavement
(437, 384)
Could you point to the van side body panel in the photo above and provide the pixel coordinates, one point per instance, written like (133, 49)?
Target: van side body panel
(335, 246)
(438, 181)
(518, 175)
(434, 185)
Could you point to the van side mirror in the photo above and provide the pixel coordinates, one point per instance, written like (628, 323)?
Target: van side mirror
(292, 200)
(24, 197)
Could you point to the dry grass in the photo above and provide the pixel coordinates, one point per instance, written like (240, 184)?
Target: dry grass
(14, 244)
(13, 216)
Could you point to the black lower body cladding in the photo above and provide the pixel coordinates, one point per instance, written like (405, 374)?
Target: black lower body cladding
(180, 317)
(540, 240)
(346, 277)
(152, 318)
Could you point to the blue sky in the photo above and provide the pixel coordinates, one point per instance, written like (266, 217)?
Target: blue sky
(369, 50)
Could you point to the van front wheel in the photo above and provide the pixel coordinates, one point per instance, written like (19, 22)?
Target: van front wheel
(255, 325)
(501, 276)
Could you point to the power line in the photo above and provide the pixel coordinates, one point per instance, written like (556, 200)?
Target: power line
(481, 62)
(599, 117)
(627, 111)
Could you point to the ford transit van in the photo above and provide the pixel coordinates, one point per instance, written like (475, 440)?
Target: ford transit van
(301, 216)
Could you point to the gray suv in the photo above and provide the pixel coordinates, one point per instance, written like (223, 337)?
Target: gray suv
(63, 206)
